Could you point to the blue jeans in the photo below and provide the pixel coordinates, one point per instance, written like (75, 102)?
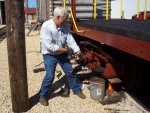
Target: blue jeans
(50, 62)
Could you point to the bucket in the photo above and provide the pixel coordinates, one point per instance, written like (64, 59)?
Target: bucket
(97, 88)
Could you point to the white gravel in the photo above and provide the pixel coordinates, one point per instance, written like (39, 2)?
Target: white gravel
(57, 104)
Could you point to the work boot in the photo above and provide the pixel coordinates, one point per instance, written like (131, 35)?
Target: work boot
(80, 94)
(65, 92)
(43, 101)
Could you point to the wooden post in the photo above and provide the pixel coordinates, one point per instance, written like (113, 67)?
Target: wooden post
(15, 29)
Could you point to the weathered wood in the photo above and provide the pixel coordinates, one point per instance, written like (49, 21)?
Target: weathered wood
(15, 30)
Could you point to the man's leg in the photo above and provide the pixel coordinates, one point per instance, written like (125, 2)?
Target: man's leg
(66, 90)
(68, 70)
(50, 65)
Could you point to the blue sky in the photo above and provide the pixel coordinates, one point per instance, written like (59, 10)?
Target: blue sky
(31, 3)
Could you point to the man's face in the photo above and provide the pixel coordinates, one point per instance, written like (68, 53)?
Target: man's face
(62, 20)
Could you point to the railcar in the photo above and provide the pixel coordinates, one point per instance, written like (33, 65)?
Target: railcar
(114, 47)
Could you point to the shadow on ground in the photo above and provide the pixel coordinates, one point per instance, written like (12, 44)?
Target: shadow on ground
(58, 84)
(55, 86)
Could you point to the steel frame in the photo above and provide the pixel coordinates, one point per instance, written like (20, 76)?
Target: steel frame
(126, 44)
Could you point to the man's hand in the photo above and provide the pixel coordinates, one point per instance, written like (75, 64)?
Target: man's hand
(82, 56)
(67, 48)
(78, 53)
(63, 50)
(82, 59)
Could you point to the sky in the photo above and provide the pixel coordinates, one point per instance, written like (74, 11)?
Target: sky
(31, 3)
(129, 8)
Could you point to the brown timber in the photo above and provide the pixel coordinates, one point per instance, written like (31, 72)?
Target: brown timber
(15, 30)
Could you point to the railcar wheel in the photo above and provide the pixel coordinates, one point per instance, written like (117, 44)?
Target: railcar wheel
(131, 72)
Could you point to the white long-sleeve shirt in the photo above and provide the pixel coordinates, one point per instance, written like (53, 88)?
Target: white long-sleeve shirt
(52, 38)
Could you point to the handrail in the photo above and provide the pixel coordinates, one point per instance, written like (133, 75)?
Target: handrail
(145, 7)
(94, 15)
(64, 3)
(121, 9)
(138, 8)
(107, 9)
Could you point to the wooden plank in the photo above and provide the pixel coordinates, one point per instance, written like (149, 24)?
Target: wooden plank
(16, 54)
(114, 80)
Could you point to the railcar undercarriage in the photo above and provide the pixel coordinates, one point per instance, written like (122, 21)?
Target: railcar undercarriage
(108, 62)
(117, 48)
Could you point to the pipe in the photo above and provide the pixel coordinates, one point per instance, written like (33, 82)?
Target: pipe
(83, 15)
(74, 23)
(84, 8)
(72, 4)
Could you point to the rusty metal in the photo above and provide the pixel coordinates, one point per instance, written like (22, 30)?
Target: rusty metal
(95, 61)
(129, 45)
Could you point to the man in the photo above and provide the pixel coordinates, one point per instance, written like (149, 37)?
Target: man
(55, 39)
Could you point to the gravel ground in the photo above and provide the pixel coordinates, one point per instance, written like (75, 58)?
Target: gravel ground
(57, 104)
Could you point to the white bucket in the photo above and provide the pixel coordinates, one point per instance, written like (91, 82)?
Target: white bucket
(97, 88)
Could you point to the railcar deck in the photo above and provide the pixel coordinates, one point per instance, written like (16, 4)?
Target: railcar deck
(137, 29)
(130, 36)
